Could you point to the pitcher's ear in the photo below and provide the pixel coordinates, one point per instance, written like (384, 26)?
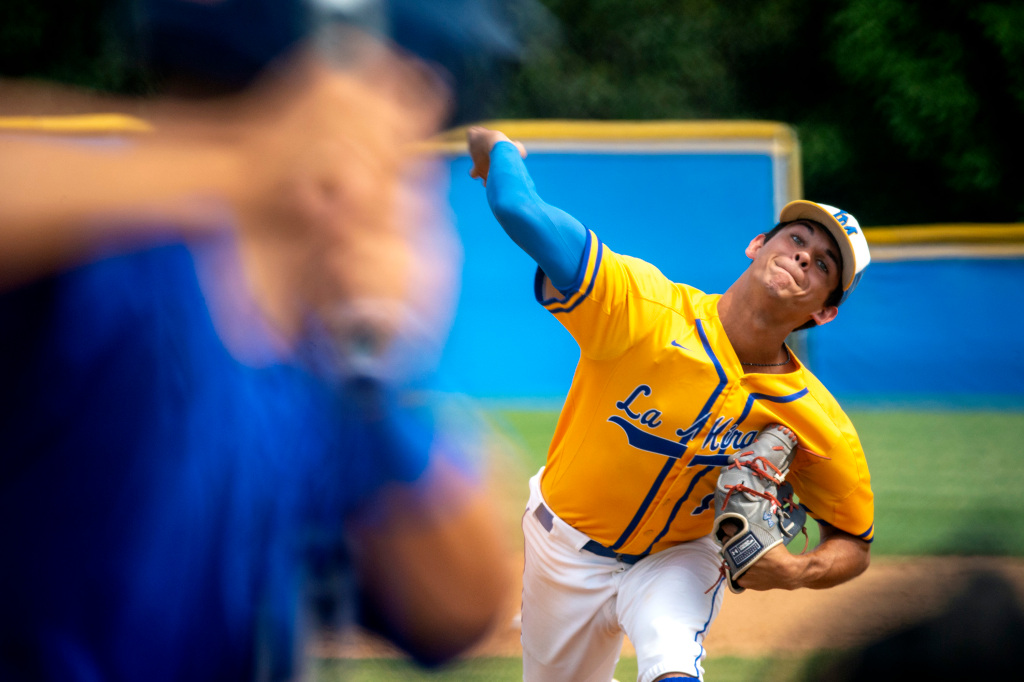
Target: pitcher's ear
(825, 315)
(754, 246)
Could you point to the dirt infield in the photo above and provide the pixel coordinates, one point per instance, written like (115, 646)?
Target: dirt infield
(891, 594)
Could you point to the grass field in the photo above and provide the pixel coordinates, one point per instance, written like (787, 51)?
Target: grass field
(510, 670)
(945, 482)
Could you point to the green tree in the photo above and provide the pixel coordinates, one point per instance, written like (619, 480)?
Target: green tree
(943, 93)
(907, 111)
(87, 43)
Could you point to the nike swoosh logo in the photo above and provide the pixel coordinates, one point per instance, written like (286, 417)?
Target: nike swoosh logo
(678, 345)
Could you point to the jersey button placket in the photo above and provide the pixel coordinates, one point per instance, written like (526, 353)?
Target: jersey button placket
(717, 412)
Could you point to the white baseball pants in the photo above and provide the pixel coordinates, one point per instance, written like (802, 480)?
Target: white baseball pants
(577, 605)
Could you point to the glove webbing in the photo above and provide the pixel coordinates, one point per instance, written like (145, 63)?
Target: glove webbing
(740, 488)
(763, 461)
(759, 471)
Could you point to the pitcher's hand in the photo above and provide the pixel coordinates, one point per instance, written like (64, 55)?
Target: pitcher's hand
(481, 141)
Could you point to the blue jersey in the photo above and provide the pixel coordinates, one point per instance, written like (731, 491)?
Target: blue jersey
(162, 503)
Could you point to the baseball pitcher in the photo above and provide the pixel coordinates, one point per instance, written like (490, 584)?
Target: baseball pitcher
(692, 442)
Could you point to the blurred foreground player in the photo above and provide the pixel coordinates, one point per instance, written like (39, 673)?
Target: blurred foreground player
(213, 416)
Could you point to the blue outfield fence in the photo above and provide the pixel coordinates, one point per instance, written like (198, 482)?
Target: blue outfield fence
(946, 332)
(925, 328)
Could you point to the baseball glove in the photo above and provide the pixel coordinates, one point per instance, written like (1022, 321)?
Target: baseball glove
(754, 509)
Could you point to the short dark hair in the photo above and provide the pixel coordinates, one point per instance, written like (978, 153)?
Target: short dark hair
(837, 294)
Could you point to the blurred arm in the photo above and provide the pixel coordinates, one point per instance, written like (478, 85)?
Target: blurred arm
(306, 165)
(549, 235)
(59, 200)
(434, 574)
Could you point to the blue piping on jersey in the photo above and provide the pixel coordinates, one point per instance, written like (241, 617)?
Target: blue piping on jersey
(675, 509)
(690, 434)
(722, 379)
(538, 280)
(645, 504)
(707, 624)
(770, 398)
(705, 415)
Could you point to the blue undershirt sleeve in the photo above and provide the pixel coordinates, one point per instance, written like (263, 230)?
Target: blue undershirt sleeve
(547, 234)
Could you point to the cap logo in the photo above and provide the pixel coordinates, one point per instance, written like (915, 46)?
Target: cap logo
(843, 217)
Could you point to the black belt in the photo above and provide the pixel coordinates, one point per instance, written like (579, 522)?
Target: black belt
(546, 519)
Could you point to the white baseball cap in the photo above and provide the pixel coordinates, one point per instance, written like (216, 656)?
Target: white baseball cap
(847, 232)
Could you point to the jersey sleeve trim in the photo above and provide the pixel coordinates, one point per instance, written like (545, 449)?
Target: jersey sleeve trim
(867, 536)
(753, 397)
(581, 287)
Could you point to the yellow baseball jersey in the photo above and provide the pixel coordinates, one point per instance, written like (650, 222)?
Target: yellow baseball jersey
(658, 403)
